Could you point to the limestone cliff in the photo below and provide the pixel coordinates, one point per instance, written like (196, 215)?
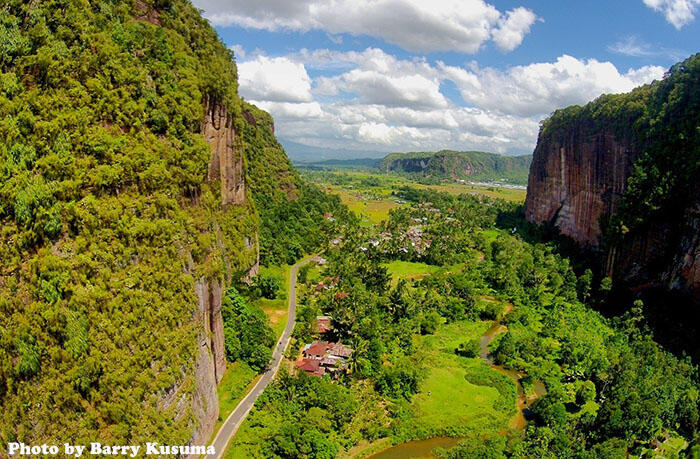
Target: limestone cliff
(619, 176)
(575, 178)
(226, 162)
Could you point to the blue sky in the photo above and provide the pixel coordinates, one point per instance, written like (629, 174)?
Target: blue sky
(405, 75)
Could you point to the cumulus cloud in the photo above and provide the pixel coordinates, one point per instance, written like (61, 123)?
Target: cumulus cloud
(677, 12)
(238, 51)
(378, 102)
(274, 79)
(512, 28)
(540, 88)
(416, 25)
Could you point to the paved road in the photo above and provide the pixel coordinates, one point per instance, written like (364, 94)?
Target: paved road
(233, 422)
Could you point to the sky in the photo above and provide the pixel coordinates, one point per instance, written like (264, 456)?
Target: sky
(359, 78)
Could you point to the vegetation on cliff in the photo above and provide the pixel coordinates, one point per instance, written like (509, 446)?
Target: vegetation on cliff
(649, 245)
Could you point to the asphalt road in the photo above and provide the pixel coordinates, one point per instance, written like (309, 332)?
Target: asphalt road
(229, 428)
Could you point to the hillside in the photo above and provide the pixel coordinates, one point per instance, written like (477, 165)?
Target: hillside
(131, 195)
(470, 165)
(619, 176)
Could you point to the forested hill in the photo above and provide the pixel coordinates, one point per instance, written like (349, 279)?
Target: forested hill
(469, 165)
(134, 185)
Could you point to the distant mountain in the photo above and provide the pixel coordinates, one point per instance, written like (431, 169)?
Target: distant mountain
(468, 165)
(299, 152)
(362, 163)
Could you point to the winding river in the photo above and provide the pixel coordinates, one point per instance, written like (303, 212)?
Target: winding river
(424, 448)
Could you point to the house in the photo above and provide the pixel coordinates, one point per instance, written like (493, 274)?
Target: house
(319, 260)
(311, 367)
(321, 357)
(323, 324)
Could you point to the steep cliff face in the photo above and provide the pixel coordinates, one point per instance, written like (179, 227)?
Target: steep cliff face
(226, 162)
(575, 178)
(619, 176)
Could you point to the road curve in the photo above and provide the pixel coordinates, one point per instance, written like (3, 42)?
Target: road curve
(229, 428)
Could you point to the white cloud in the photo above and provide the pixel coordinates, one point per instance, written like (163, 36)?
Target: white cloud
(380, 103)
(677, 12)
(416, 25)
(512, 28)
(539, 88)
(238, 51)
(287, 110)
(636, 47)
(274, 79)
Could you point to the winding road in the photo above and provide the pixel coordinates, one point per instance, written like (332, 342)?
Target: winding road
(229, 428)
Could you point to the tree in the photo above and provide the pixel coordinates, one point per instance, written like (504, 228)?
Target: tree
(469, 348)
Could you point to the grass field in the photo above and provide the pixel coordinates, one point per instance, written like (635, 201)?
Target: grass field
(238, 379)
(276, 309)
(370, 196)
(448, 403)
(409, 270)
(368, 209)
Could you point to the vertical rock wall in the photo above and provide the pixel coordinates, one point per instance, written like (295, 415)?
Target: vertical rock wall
(576, 178)
(227, 164)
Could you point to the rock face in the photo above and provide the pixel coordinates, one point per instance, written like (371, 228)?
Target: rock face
(575, 178)
(227, 165)
(227, 162)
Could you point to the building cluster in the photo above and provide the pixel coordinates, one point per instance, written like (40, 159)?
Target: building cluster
(324, 357)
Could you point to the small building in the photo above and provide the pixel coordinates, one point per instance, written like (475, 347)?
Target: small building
(311, 367)
(321, 357)
(323, 324)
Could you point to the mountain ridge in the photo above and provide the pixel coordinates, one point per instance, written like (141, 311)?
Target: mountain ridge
(450, 164)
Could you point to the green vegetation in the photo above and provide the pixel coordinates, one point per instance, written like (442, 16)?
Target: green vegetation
(470, 165)
(107, 217)
(609, 387)
(372, 196)
(409, 271)
(235, 384)
(459, 395)
(247, 335)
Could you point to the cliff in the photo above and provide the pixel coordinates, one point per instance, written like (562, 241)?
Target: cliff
(576, 177)
(125, 209)
(471, 165)
(619, 177)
